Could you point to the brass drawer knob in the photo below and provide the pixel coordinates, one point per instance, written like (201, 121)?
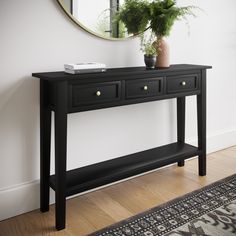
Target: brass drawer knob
(183, 83)
(145, 88)
(98, 93)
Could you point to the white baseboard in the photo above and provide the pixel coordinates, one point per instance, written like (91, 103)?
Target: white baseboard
(218, 141)
(20, 199)
(23, 198)
(221, 141)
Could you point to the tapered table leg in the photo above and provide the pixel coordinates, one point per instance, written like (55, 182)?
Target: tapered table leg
(181, 123)
(45, 141)
(201, 116)
(60, 153)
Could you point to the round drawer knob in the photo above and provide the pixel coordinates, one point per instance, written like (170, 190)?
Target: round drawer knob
(183, 83)
(145, 88)
(98, 93)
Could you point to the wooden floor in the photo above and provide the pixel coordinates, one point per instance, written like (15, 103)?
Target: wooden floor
(95, 210)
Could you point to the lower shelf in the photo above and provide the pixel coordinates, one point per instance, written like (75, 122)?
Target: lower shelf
(92, 176)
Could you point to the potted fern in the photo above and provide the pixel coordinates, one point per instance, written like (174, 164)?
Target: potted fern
(148, 48)
(163, 14)
(158, 16)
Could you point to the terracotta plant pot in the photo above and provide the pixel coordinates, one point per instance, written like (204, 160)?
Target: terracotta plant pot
(163, 54)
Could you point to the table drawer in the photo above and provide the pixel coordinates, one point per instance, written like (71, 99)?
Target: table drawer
(143, 88)
(178, 84)
(95, 93)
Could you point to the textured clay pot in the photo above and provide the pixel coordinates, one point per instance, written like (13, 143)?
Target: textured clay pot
(163, 51)
(150, 61)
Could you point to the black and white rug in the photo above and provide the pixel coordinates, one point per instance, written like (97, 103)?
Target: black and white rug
(210, 211)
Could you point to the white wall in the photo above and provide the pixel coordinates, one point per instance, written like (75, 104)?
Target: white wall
(36, 36)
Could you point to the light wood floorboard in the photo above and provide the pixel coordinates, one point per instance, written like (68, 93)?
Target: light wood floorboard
(95, 210)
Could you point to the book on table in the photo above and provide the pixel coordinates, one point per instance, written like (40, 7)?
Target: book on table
(76, 68)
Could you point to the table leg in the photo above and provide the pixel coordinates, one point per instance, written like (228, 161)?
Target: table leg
(201, 115)
(60, 153)
(45, 141)
(181, 123)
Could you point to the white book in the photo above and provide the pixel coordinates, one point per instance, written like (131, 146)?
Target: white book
(81, 66)
(84, 71)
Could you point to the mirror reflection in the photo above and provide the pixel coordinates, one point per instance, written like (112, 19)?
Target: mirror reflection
(97, 16)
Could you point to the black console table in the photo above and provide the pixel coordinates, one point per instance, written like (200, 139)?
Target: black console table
(64, 94)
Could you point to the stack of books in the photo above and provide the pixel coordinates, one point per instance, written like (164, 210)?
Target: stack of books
(80, 68)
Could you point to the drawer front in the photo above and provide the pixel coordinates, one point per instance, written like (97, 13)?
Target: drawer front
(178, 84)
(95, 93)
(143, 88)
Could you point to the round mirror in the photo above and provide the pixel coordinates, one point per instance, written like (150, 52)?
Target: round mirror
(96, 17)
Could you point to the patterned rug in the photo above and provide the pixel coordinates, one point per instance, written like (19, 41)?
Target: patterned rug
(210, 211)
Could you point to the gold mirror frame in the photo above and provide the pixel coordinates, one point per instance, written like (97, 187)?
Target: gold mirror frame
(62, 5)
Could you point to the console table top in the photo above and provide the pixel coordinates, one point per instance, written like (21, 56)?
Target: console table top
(62, 76)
